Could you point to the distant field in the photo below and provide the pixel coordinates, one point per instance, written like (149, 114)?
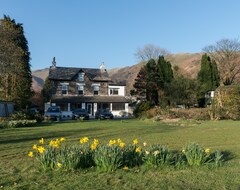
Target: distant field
(17, 171)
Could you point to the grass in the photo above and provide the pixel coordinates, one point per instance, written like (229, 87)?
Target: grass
(17, 171)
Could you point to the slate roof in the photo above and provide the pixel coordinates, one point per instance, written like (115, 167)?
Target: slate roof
(67, 73)
(90, 99)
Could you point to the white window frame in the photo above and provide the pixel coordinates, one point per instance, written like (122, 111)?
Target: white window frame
(81, 88)
(64, 88)
(96, 88)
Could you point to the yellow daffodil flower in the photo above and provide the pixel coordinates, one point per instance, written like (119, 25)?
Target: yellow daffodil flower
(62, 139)
(112, 142)
(84, 140)
(122, 144)
(135, 141)
(30, 154)
(34, 147)
(41, 149)
(183, 151)
(41, 141)
(138, 149)
(119, 141)
(125, 168)
(207, 150)
(144, 144)
(93, 146)
(96, 141)
(59, 165)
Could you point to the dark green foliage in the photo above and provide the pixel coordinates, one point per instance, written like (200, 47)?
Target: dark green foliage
(208, 77)
(140, 85)
(46, 91)
(140, 108)
(182, 91)
(152, 80)
(15, 73)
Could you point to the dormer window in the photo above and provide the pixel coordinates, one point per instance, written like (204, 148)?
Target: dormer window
(95, 89)
(64, 88)
(81, 77)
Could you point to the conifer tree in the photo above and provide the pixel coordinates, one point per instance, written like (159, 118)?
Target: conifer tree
(15, 73)
(208, 76)
(153, 78)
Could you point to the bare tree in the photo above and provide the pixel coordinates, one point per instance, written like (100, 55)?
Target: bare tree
(150, 51)
(226, 53)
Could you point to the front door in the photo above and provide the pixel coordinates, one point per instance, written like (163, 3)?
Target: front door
(89, 109)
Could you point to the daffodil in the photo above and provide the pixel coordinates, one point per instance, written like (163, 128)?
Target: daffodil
(135, 141)
(138, 149)
(59, 165)
(93, 146)
(122, 144)
(41, 149)
(84, 140)
(207, 150)
(34, 147)
(112, 142)
(183, 151)
(125, 168)
(96, 141)
(119, 141)
(144, 144)
(62, 139)
(156, 152)
(147, 152)
(41, 141)
(30, 154)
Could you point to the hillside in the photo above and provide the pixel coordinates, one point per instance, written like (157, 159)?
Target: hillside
(38, 78)
(189, 63)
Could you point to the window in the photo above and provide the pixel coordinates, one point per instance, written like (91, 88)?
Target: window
(64, 89)
(95, 89)
(80, 89)
(81, 76)
(118, 106)
(114, 91)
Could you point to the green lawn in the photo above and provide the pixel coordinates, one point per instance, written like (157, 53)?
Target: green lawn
(18, 171)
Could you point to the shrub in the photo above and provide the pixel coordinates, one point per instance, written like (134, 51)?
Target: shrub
(226, 103)
(108, 158)
(157, 155)
(141, 108)
(197, 155)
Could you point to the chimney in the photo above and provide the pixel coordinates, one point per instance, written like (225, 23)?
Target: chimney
(54, 64)
(102, 67)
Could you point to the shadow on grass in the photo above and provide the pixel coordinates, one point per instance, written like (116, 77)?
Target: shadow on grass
(227, 155)
(45, 135)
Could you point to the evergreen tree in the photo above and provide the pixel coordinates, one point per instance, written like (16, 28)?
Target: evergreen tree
(140, 85)
(46, 91)
(15, 72)
(208, 77)
(152, 79)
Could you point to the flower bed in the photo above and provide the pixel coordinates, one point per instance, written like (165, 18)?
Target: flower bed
(56, 155)
(18, 123)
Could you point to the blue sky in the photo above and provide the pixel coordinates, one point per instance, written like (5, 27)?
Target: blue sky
(84, 33)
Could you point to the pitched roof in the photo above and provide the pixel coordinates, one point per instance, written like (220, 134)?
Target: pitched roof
(67, 73)
(90, 99)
